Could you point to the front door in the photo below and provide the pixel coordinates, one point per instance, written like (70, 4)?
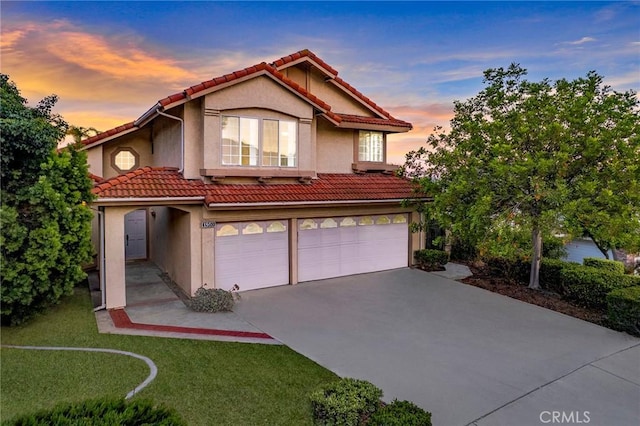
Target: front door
(135, 235)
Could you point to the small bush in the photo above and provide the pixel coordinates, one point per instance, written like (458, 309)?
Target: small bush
(400, 413)
(102, 412)
(551, 274)
(623, 308)
(515, 270)
(212, 300)
(604, 264)
(431, 260)
(347, 402)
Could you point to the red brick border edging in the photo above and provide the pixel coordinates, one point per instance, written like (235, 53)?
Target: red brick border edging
(121, 320)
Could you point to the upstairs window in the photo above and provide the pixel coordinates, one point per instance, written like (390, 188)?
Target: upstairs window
(255, 142)
(371, 146)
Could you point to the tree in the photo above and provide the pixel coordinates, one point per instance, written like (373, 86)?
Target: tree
(537, 156)
(79, 133)
(46, 223)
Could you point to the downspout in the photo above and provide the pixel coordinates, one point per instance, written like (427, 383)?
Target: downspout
(181, 137)
(101, 260)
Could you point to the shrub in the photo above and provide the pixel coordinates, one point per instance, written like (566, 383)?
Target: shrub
(346, 402)
(400, 413)
(98, 412)
(212, 300)
(515, 270)
(431, 260)
(551, 274)
(589, 286)
(604, 264)
(623, 308)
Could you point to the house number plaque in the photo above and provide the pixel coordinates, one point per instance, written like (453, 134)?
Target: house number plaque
(206, 224)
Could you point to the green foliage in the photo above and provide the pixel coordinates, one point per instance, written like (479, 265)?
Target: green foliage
(346, 402)
(584, 285)
(623, 308)
(212, 300)
(46, 223)
(514, 270)
(104, 411)
(604, 264)
(537, 157)
(400, 413)
(431, 260)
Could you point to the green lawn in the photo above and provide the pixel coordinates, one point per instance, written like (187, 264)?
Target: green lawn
(206, 382)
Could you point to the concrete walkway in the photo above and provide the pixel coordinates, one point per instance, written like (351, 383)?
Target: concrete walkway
(469, 356)
(155, 309)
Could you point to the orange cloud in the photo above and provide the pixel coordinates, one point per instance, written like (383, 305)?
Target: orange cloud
(89, 72)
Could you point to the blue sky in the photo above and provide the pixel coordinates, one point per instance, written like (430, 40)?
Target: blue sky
(110, 61)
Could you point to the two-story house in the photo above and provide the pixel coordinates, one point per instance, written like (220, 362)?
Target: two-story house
(274, 174)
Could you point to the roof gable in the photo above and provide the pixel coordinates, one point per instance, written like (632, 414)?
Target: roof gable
(262, 69)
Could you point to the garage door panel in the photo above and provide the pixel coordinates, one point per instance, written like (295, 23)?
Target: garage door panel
(251, 255)
(357, 245)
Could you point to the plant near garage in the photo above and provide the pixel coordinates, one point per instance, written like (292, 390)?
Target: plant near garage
(431, 260)
(212, 300)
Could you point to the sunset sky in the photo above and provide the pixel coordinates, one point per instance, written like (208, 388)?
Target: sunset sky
(111, 61)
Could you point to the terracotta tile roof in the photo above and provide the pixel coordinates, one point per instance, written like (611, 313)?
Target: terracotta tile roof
(111, 132)
(95, 178)
(272, 70)
(166, 182)
(339, 81)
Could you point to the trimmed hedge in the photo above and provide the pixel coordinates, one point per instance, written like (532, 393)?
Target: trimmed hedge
(584, 285)
(400, 413)
(623, 308)
(346, 402)
(604, 264)
(102, 412)
(431, 259)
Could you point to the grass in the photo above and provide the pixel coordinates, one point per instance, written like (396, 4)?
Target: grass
(207, 382)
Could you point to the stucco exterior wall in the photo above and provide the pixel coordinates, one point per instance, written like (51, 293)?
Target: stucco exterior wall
(334, 148)
(94, 160)
(138, 141)
(340, 102)
(261, 98)
(193, 139)
(166, 140)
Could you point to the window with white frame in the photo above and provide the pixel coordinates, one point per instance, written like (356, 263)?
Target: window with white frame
(371, 146)
(259, 142)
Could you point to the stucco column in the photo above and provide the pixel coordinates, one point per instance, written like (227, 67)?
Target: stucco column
(293, 250)
(114, 262)
(207, 240)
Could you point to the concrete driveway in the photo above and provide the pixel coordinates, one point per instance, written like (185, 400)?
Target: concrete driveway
(469, 356)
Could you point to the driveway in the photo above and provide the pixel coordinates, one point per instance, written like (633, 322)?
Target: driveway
(469, 356)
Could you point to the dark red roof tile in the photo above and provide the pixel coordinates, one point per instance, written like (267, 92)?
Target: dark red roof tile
(168, 183)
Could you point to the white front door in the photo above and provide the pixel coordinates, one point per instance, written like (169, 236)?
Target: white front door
(339, 246)
(251, 254)
(135, 235)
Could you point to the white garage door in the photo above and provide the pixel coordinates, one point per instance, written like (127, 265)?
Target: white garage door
(338, 246)
(251, 254)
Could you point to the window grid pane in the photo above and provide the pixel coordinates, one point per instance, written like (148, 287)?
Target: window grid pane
(230, 141)
(370, 146)
(243, 142)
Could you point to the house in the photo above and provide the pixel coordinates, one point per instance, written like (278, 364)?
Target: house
(275, 174)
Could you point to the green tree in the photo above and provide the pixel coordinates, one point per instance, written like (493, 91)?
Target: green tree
(45, 221)
(541, 157)
(79, 133)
